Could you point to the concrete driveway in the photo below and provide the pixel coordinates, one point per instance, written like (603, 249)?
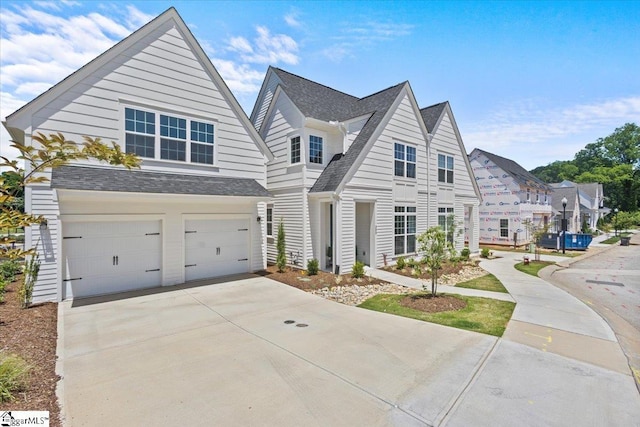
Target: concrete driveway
(221, 354)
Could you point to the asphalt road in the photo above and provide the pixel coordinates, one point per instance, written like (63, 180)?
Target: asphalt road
(609, 282)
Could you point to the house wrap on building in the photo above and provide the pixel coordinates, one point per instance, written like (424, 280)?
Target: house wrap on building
(513, 200)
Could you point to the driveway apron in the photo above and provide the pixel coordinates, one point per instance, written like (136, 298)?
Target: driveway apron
(222, 354)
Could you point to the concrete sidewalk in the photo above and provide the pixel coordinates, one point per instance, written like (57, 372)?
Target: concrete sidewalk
(554, 360)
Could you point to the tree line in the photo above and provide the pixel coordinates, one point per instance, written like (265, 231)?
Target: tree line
(613, 161)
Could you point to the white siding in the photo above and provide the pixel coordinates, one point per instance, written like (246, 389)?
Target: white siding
(162, 73)
(461, 192)
(374, 180)
(267, 96)
(288, 207)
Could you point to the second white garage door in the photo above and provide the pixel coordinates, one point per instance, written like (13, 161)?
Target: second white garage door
(216, 247)
(107, 257)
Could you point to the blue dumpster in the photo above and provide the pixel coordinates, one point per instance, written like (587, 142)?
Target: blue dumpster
(577, 242)
(574, 242)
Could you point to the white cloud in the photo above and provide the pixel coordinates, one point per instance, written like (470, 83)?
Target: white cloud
(266, 48)
(42, 43)
(292, 19)
(352, 37)
(533, 135)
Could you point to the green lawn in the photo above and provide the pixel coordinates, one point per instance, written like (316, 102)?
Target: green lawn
(484, 315)
(484, 283)
(533, 267)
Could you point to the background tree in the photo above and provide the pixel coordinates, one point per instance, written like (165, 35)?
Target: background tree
(613, 161)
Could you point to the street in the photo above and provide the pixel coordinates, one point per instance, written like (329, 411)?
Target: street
(609, 282)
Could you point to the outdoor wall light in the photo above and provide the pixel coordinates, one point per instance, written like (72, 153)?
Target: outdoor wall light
(259, 218)
(44, 225)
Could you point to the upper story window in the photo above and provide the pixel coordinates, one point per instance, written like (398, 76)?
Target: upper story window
(445, 168)
(295, 150)
(162, 136)
(528, 195)
(270, 220)
(537, 196)
(404, 160)
(315, 149)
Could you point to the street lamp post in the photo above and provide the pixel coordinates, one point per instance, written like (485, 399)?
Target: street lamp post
(615, 221)
(564, 223)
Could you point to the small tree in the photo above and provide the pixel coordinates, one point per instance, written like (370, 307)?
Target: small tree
(436, 250)
(281, 260)
(45, 153)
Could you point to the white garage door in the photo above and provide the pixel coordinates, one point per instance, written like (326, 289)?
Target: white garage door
(216, 248)
(108, 257)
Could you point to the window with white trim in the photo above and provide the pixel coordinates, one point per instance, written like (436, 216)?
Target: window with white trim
(445, 168)
(446, 222)
(315, 149)
(404, 160)
(294, 144)
(504, 228)
(404, 230)
(162, 136)
(528, 195)
(270, 220)
(537, 196)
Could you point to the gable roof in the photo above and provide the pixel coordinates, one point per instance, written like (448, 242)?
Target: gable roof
(138, 181)
(571, 193)
(111, 53)
(321, 102)
(432, 114)
(519, 174)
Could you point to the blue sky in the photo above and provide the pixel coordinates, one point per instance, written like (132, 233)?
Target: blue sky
(531, 81)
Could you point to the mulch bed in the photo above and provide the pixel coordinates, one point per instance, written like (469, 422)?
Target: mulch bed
(430, 304)
(31, 334)
(295, 277)
(447, 268)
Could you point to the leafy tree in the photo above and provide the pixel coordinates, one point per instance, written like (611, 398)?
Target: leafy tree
(281, 260)
(436, 250)
(613, 161)
(46, 152)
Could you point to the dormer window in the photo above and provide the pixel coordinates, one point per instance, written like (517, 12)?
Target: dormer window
(315, 149)
(404, 160)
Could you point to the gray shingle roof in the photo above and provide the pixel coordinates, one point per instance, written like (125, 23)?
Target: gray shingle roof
(138, 181)
(326, 104)
(558, 193)
(432, 114)
(518, 173)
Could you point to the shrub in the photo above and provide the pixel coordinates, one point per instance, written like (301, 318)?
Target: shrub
(400, 263)
(484, 253)
(14, 374)
(9, 269)
(312, 267)
(416, 271)
(464, 254)
(281, 260)
(31, 270)
(413, 263)
(357, 271)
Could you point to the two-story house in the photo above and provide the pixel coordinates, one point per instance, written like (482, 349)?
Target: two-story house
(453, 192)
(513, 200)
(589, 203)
(351, 175)
(197, 207)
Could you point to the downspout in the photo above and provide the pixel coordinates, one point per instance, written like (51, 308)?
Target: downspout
(429, 139)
